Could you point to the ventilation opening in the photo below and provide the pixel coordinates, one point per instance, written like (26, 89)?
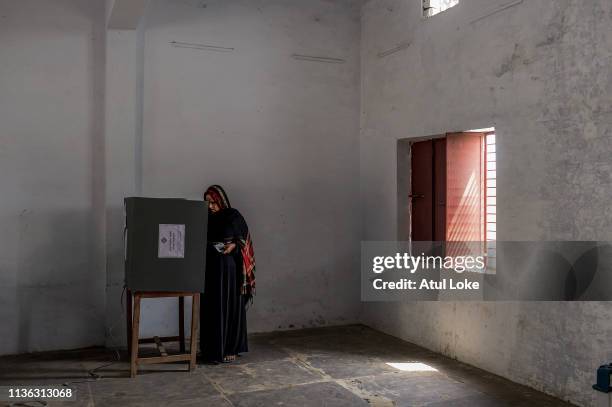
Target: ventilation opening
(433, 7)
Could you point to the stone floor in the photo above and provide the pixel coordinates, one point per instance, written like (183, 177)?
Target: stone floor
(339, 366)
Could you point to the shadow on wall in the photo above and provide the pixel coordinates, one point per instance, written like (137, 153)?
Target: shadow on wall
(53, 297)
(552, 271)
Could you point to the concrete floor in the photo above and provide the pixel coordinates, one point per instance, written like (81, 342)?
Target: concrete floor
(339, 366)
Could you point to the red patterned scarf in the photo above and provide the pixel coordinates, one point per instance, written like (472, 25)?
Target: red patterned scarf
(248, 269)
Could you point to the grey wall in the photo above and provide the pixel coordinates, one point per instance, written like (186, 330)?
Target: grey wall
(51, 252)
(539, 72)
(123, 124)
(92, 115)
(281, 135)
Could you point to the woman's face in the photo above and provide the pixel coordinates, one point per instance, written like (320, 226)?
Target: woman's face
(212, 206)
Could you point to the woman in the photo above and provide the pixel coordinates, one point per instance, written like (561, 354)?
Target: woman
(230, 280)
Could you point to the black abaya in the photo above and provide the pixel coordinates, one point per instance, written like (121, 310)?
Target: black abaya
(223, 328)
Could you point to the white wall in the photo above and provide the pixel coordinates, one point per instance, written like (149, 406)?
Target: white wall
(539, 73)
(51, 253)
(281, 135)
(90, 116)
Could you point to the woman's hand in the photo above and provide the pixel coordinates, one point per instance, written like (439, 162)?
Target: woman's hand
(229, 247)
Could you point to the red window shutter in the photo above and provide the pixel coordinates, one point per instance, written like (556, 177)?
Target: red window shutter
(464, 187)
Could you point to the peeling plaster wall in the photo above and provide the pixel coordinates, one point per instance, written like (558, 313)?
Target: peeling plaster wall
(51, 211)
(538, 71)
(280, 134)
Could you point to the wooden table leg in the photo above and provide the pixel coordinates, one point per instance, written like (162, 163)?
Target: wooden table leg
(128, 319)
(195, 318)
(182, 324)
(135, 330)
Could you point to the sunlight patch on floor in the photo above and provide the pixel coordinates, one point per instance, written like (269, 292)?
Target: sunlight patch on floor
(413, 367)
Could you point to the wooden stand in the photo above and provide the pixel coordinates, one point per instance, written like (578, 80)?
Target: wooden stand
(133, 325)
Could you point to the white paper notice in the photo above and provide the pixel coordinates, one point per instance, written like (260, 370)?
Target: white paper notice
(171, 241)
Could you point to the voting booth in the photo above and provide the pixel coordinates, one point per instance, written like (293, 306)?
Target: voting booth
(165, 256)
(165, 244)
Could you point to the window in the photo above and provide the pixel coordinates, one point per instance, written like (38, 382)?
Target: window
(433, 7)
(453, 192)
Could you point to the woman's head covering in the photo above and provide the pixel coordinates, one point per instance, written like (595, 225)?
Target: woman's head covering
(218, 196)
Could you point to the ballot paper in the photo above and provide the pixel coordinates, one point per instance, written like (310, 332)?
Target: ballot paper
(171, 242)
